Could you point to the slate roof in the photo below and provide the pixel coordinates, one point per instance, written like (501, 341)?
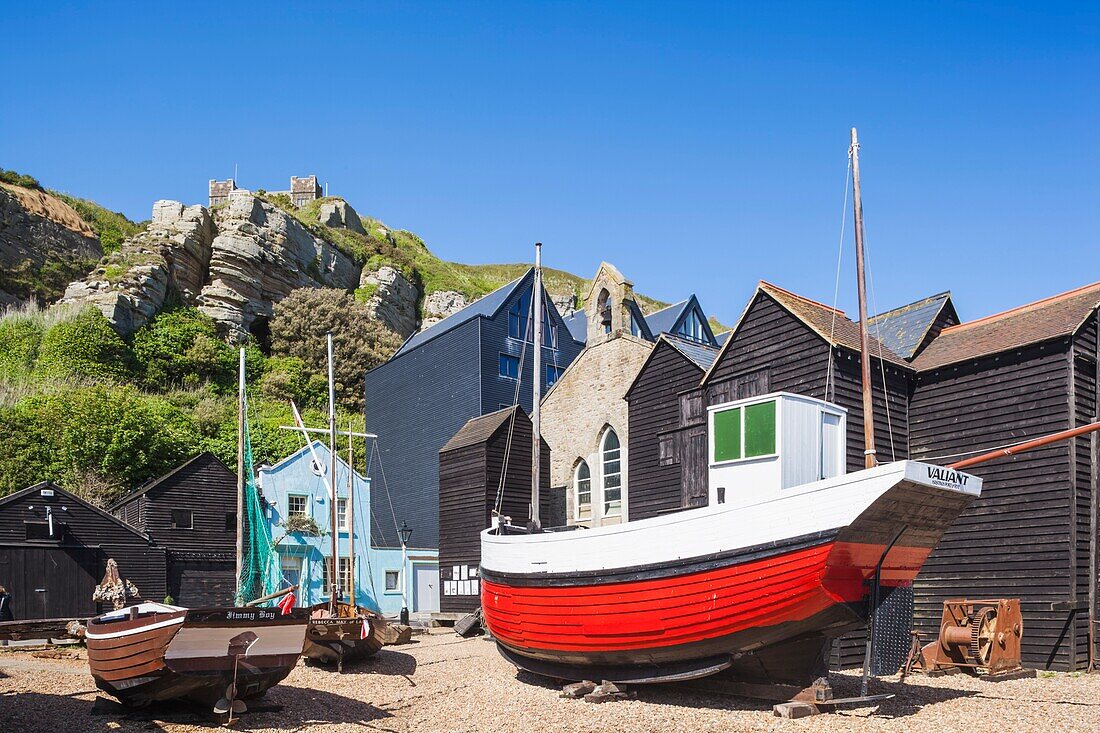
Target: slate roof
(829, 323)
(486, 306)
(1054, 317)
(904, 329)
(702, 355)
(663, 320)
(479, 429)
(577, 323)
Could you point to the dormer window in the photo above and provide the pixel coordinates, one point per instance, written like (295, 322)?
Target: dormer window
(692, 327)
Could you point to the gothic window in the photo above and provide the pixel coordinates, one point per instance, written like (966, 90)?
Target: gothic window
(612, 474)
(582, 485)
(692, 327)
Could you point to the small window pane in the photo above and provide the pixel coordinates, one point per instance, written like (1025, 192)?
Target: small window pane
(296, 504)
(509, 366)
(727, 435)
(392, 577)
(342, 513)
(231, 521)
(760, 429)
(181, 518)
(583, 485)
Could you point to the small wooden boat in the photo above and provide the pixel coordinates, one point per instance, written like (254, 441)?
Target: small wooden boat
(342, 632)
(217, 656)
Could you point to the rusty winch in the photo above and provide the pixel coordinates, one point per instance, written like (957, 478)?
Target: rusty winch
(976, 636)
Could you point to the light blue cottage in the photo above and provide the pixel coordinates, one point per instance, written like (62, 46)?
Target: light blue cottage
(295, 486)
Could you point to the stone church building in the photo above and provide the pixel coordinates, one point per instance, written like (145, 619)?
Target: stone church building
(584, 415)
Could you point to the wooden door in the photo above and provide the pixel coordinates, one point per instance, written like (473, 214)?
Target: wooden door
(50, 582)
(693, 468)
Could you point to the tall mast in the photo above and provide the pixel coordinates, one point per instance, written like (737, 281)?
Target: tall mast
(864, 340)
(536, 368)
(351, 519)
(335, 580)
(240, 473)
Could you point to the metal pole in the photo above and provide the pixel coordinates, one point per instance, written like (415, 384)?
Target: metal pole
(864, 339)
(536, 367)
(240, 472)
(404, 584)
(335, 580)
(351, 519)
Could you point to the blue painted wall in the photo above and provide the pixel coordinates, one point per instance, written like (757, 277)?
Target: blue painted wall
(294, 476)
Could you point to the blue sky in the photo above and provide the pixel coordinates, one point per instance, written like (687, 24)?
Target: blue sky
(700, 147)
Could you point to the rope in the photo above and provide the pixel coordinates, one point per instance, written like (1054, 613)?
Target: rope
(836, 285)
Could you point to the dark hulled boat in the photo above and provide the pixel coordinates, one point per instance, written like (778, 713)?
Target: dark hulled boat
(342, 632)
(153, 651)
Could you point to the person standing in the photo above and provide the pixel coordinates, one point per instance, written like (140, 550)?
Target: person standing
(5, 609)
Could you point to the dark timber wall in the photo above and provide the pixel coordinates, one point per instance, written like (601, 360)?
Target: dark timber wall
(469, 478)
(772, 351)
(1018, 539)
(68, 567)
(658, 438)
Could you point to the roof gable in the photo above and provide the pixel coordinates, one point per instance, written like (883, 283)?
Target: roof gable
(481, 429)
(18, 495)
(668, 320)
(1050, 318)
(160, 481)
(696, 355)
(904, 330)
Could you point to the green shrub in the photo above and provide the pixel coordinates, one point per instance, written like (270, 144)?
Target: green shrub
(303, 318)
(19, 340)
(118, 434)
(182, 348)
(287, 378)
(19, 179)
(111, 227)
(85, 346)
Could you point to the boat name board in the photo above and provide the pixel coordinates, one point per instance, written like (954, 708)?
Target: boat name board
(946, 478)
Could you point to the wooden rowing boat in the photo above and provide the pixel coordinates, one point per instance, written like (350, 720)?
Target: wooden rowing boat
(342, 632)
(219, 656)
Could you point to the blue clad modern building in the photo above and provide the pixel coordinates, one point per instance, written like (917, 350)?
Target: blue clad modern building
(296, 486)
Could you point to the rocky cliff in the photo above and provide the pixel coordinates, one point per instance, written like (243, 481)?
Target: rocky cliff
(43, 244)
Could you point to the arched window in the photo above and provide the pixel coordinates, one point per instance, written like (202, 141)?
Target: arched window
(611, 470)
(603, 309)
(582, 485)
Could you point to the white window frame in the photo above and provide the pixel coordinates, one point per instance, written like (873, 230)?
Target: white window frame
(396, 591)
(621, 512)
(742, 404)
(342, 514)
(577, 494)
(305, 505)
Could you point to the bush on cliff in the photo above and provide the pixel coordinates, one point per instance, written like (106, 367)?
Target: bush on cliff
(182, 348)
(84, 347)
(298, 329)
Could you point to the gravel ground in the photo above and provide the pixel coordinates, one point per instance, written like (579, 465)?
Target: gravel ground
(443, 683)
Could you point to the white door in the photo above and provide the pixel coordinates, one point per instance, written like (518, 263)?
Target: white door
(426, 585)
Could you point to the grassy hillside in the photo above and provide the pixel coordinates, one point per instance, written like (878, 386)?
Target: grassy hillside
(111, 227)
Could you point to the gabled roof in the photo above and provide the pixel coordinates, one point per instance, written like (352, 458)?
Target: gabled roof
(662, 321)
(1058, 316)
(480, 429)
(698, 355)
(155, 482)
(486, 306)
(903, 330)
(702, 355)
(12, 498)
(830, 324)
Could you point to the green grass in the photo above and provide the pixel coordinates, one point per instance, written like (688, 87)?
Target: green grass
(111, 227)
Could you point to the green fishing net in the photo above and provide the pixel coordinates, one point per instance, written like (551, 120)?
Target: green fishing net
(260, 572)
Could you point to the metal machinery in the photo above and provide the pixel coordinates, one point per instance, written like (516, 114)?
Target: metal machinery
(974, 635)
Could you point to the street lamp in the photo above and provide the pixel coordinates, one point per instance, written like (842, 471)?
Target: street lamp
(405, 532)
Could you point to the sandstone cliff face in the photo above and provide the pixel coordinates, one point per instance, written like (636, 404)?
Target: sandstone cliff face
(261, 254)
(172, 254)
(393, 300)
(440, 304)
(41, 239)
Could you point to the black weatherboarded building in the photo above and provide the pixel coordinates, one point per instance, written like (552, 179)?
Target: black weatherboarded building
(191, 511)
(472, 466)
(54, 548)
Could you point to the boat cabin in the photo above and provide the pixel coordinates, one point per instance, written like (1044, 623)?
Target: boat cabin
(761, 445)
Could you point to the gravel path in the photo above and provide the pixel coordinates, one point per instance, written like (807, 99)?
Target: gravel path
(442, 683)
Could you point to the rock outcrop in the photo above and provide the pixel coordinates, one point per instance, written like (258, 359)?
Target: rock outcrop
(440, 304)
(339, 214)
(39, 230)
(171, 255)
(261, 254)
(392, 299)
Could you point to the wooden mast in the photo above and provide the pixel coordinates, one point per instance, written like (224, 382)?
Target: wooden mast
(240, 473)
(334, 590)
(351, 519)
(536, 370)
(864, 339)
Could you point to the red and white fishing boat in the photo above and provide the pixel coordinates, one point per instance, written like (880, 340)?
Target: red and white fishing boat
(790, 553)
(216, 656)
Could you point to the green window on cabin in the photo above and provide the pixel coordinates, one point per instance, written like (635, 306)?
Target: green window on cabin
(760, 429)
(727, 435)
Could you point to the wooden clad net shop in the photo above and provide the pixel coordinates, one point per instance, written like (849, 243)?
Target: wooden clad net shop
(470, 468)
(1033, 534)
(54, 548)
(191, 511)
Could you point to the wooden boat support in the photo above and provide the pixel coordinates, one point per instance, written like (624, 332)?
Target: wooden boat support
(45, 628)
